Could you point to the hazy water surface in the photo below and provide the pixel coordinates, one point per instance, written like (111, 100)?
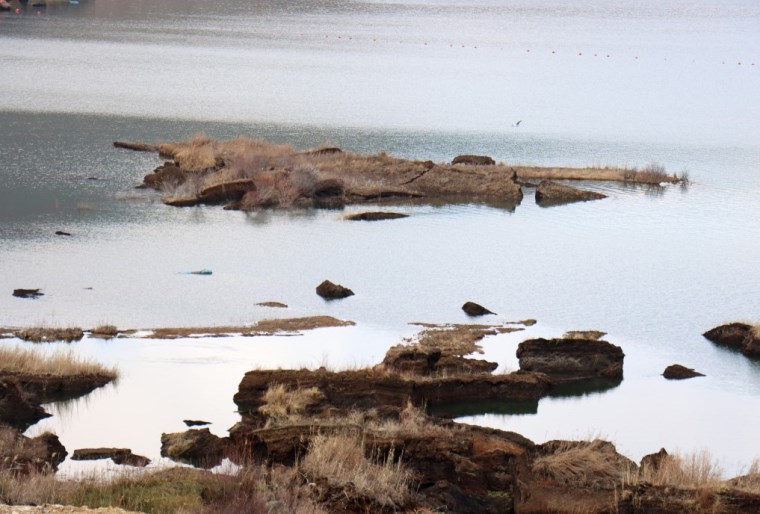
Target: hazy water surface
(430, 80)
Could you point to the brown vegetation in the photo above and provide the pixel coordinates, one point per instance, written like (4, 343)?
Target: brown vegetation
(262, 328)
(50, 334)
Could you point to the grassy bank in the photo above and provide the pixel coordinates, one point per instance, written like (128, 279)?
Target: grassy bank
(23, 361)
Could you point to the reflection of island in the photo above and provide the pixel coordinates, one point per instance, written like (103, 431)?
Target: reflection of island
(248, 174)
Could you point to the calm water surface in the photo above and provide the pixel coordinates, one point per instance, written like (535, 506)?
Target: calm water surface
(429, 80)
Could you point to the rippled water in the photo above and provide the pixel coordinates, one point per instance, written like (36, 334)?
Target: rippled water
(654, 268)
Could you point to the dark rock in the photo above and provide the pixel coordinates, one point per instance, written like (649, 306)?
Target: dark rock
(198, 447)
(678, 372)
(473, 309)
(121, 456)
(566, 360)
(476, 160)
(550, 193)
(751, 345)
(27, 293)
(62, 233)
(166, 175)
(195, 422)
(16, 408)
(330, 291)
(740, 336)
(376, 216)
(730, 334)
(653, 461)
(23, 455)
(232, 190)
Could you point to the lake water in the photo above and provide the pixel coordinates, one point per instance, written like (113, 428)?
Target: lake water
(625, 83)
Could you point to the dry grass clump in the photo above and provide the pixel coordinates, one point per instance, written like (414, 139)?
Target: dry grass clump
(60, 364)
(339, 460)
(49, 335)
(105, 331)
(592, 464)
(690, 470)
(652, 173)
(197, 154)
(283, 405)
(749, 481)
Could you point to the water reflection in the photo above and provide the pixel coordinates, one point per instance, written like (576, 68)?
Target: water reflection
(522, 407)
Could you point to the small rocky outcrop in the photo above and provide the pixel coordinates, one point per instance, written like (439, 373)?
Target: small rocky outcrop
(363, 390)
(678, 372)
(421, 361)
(27, 293)
(376, 216)
(475, 160)
(474, 309)
(550, 193)
(331, 291)
(567, 360)
(198, 447)
(167, 175)
(23, 455)
(121, 456)
(62, 233)
(16, 408)
(740, 336)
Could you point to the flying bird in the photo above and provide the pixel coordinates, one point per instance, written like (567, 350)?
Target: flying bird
(517, 124)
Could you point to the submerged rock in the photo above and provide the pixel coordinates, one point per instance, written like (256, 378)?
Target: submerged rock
(474, 309)
(476, 160)
(678, 372)
(550, 193)
(566, 360)
(330, 291)
(27, 293)
(136, 146)
(376, 216)
(121, 456)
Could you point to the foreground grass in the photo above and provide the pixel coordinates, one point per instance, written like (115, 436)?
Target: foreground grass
(254, 489)
(19, 360)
